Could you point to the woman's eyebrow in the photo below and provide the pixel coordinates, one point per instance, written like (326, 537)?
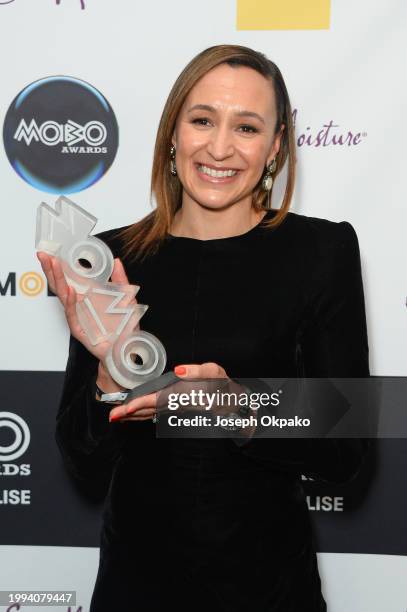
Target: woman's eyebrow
(211, 109)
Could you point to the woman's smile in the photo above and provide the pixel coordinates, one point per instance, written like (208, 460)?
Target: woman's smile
(213, 175)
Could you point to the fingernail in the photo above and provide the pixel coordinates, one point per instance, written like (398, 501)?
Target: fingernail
(114, 417)
(180, 370)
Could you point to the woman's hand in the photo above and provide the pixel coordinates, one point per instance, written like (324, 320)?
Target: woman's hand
(68, 297)
(145, 407)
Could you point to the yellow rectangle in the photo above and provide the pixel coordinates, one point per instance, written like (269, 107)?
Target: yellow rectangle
(283, 14)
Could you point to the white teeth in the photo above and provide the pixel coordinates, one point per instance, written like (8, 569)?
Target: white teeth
(216, 173)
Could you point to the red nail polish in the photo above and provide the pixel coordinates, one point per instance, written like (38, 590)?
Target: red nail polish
(180, 370)
(114, 417)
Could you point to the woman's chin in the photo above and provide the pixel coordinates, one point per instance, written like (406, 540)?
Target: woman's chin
(213, 198)
(214, 205)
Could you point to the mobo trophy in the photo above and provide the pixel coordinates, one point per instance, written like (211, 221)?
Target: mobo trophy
(106, 311)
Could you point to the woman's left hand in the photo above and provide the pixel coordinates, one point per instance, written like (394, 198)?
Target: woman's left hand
(145, 407)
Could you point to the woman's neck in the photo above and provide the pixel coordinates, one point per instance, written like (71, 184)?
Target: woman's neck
(207, 224)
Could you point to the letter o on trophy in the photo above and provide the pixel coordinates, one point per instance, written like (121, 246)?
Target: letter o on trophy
(136, 359)
(90, 259)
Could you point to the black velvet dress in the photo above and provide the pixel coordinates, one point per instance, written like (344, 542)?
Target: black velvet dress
(205, 524)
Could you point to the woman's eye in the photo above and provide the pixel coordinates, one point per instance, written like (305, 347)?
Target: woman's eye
(249, 129)
(200, 120)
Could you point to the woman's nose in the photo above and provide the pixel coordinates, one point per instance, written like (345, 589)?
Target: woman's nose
(220, 143)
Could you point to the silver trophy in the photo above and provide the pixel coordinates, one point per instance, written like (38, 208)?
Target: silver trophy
(107, 312)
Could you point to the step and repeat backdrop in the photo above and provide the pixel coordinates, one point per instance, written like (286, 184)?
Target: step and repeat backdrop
(83, 84)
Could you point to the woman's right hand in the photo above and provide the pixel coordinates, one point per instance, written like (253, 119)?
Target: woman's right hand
(68, 297)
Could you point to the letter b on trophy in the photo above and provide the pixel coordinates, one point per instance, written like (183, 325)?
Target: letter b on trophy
(106, 311)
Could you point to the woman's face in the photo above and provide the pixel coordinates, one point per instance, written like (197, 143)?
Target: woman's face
(224, 136)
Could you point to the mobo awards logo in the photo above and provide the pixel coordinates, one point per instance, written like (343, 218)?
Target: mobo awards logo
(60, 134)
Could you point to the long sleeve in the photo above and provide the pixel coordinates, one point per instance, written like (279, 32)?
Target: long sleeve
(332, 342)
(89, 444)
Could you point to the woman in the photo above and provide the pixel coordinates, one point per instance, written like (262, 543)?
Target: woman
(235, 289)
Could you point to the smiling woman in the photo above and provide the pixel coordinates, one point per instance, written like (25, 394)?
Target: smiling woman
(235, 289)
(228, 112)
(217, 147)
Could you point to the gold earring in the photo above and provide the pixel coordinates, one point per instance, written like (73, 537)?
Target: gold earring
(172, 161)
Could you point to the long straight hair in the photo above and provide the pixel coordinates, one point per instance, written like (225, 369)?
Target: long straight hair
(144, 237)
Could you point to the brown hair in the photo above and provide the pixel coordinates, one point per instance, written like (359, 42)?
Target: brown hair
(144, 237)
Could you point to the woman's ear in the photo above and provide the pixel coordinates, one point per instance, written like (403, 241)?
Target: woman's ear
(276, 144)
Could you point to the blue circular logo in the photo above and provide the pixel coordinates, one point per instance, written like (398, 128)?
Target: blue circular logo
(60, 134)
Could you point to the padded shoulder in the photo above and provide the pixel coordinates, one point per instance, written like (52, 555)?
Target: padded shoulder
(324, 234)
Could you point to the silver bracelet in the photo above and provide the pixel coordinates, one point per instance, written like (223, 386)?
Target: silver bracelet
(110, 398)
